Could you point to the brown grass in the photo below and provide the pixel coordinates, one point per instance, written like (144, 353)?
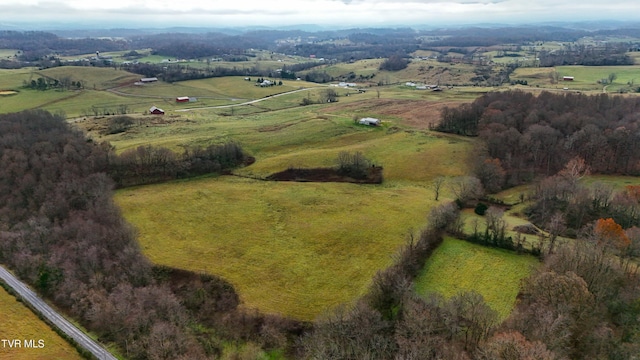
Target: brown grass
(417, 114)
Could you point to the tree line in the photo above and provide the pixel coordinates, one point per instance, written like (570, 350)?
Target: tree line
(150, 164)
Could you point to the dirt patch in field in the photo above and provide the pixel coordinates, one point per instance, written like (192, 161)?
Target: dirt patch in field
(418, 114)
(374, 176)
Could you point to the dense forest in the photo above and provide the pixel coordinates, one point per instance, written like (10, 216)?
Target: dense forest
(539, 134)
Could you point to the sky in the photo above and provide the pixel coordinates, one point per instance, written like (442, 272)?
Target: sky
(345, 13)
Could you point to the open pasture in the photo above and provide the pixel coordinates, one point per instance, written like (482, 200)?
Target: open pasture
(92, 78)
(292, 248)
(312, 136)
(237, 87)
(587, 77)
(18, 322)
(617, 182)
(8, 53)
(458, 266)
(30, 99)
(635, 55)
(535, 76)
(364, 68)
(14, 78)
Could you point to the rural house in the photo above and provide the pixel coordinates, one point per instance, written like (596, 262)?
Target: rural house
(156, 111)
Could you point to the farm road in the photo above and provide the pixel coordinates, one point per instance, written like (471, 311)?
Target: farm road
(60, 322)
(247, 102)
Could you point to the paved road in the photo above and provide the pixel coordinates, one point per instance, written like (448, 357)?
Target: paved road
(36, 302)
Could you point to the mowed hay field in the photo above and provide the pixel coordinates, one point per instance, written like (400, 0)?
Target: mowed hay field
(292, 248)
(458, 266)
(18, 322)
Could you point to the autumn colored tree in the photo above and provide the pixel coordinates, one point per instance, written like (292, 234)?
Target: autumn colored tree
(609, 233)
(633, 191)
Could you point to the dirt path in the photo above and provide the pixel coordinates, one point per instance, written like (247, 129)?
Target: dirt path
(246, 102)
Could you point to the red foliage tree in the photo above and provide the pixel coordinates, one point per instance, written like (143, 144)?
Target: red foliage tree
(610, 233)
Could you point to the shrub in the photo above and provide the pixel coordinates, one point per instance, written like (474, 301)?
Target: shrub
(481, 209)
(354, 165)
(118, 124)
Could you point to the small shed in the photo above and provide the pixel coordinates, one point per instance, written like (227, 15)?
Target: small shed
(149, 80)
(156, 111)
(370, 121)
(181, 99)
(567, 78)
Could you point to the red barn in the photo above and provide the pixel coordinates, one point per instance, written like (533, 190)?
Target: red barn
(182, 99)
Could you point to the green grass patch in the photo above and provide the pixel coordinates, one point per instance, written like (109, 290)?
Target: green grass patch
(458, 266)
(29, 99)
(237, 87)
(18, 322)
(586, 77)
(292, 248)
(91, 77)
(8, 53)
(618, 182)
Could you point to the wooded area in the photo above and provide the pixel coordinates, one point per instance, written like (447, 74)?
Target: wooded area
(61, 232)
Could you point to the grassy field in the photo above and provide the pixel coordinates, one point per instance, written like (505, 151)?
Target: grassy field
(617, 182)
(458, 266)
(7, 53)
(92, 78)
(292, 248)
(586, 77)
(18, 322)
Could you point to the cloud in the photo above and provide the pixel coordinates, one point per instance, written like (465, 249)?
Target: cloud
(330, 12)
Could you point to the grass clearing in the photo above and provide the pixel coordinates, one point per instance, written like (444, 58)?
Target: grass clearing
(18, 322)
(237, 87)
(618, 182)
(8, 53)
(272, 241)
(92, 78)
(586, 77)
(458, 266)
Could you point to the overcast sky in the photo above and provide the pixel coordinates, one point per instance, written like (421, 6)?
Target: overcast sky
(215, 13)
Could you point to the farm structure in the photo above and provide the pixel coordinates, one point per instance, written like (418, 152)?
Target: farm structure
(567, 78)
(370, 121)
(149, 80)
(156, 111)
(182, 99)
